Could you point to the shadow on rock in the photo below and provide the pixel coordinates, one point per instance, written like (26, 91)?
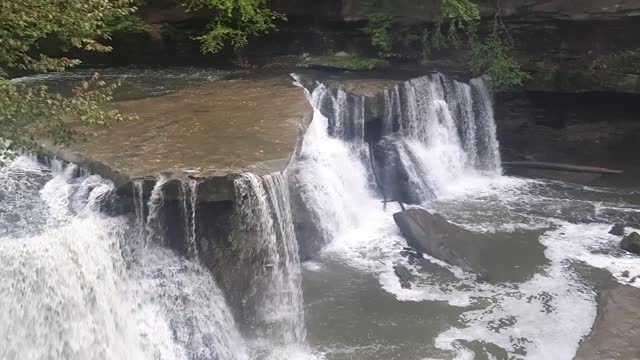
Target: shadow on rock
(494, 257)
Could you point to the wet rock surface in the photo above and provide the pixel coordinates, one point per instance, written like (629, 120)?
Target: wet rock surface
(395, 181)
(404, 275)
(495, 257)
(219, 127)
(631, 243)
(434, 235)
(616, 330)
(617, 229)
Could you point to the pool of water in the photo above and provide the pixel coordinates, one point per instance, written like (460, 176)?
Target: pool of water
(539, 301)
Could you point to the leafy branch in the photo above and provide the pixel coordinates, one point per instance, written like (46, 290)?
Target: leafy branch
(234, 22)
(30, 114)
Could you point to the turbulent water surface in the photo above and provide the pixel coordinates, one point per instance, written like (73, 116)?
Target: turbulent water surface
(71, 288)
(77, 284)
(443, 134)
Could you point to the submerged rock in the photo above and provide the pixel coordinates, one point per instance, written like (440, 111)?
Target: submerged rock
(631, 243)
(434, 235)
(405, 276)
(617, 229)
(616, 330)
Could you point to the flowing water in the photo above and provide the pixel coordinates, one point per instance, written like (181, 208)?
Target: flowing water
(541, 302)
(263, 206)
(68, 289)
(76, 284)
(137, 82)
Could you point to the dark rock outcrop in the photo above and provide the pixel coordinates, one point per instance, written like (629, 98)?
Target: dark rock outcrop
(434, 235)
(616, 330)
(497, 257)
(393, 173)
(617, 229)
(631, 243)
(404, 275)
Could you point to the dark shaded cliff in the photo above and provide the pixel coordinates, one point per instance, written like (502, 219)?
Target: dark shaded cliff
(567, 45)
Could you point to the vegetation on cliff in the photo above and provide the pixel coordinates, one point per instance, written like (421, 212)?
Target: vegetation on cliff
(345, 62)
(234, 22)
(456, 26)
(27, 27)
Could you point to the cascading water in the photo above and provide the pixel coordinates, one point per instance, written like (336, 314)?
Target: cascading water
(435, 132)
(438, 131)
(189, 193)
(330, 178)
(264, 211)
(68, 291)
(436, 144)
(155, 225)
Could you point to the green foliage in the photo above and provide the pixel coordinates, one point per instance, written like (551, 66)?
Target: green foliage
(456, 17)
(460, 10)
(25, 24)
(627, 61)
(234, 22)
(379, 28)
(127, 24)
(345, 62)
(30, 114)
(456, 26)
(493, 58)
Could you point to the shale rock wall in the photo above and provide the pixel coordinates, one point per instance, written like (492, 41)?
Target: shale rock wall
(567, 45)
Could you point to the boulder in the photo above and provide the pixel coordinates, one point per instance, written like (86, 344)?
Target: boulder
(616, 330)
(434, 235)
(404, 275)
(617, 229)
(631, 243)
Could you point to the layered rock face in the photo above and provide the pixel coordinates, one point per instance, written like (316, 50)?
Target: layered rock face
(568, 46)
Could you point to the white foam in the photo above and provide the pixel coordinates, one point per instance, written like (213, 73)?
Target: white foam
(68, 293)
(593, 244)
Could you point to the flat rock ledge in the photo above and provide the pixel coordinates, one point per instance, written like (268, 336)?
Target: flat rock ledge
(209, 133)
(616, 331)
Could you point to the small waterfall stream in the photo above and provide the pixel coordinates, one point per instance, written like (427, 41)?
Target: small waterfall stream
(189, 194)
(263, 208)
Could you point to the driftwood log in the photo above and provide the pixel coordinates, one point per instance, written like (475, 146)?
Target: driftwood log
(559, 167)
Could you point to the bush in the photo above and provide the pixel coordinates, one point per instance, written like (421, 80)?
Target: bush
(493, 58)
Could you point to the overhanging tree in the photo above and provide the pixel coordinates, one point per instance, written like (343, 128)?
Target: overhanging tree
(29, 114)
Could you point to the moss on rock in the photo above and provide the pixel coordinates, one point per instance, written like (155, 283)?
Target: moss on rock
(342, 62)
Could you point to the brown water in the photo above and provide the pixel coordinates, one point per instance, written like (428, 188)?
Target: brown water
(201, 119)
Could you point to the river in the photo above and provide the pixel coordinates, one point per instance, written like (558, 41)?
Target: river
(78, 284)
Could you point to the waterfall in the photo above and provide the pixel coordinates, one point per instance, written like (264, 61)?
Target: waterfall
(434, 132)
(68, 291)
(189, 193)
(487, 142)
(155, 227)
(263, 208)
(138, 207)
(442, 130)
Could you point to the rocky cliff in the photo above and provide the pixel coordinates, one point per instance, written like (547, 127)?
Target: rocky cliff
(567, 45)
